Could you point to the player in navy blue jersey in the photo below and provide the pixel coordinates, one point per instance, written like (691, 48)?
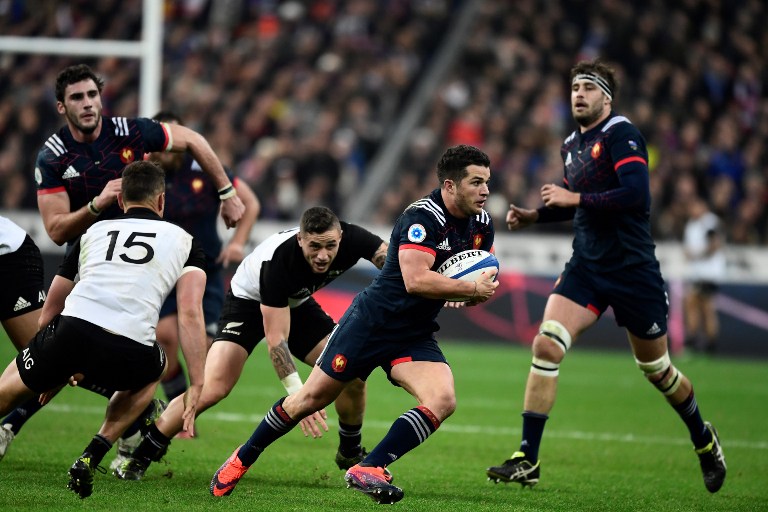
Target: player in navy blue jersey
(606, 192)
(78, 168)
(271, 299)
(192, 202)
(391, 324)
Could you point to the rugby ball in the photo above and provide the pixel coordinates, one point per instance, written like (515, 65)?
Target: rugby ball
(468, 266)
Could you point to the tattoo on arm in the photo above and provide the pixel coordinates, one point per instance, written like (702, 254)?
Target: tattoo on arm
(380, 256)
(282, 360)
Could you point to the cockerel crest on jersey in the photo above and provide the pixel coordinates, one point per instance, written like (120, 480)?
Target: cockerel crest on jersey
(126, 155)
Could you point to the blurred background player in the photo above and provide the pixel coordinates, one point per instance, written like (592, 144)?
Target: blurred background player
(22, 295)
(705, 252)
(391, 324)
(102, 326)
(192, 202)
(271, 299)
(606, 192)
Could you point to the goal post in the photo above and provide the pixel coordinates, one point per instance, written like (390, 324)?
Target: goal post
(149, 51)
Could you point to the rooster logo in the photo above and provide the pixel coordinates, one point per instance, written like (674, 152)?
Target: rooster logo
(126, 155)
(339, 363)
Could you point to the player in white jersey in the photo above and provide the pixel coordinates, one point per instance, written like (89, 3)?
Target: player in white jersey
(271, 299)
(102, 328)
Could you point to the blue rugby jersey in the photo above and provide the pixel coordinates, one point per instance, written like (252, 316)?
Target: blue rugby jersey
(192, 202)
(426, 226)
(612, 230)
(83, 169)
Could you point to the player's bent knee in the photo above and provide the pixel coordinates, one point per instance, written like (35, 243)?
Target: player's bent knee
(662, 374)
(556, 332)
(549, 348)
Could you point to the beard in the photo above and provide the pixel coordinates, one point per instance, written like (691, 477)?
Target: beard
(85, 129)
(589, 117)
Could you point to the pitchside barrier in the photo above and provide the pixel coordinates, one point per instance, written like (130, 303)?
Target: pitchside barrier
(530, 264)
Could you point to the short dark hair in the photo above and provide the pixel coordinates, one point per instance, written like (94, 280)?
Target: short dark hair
(74, 74)
(167, 116)
(600, 68)
(454, 162)
(319, 219)
(142, 180)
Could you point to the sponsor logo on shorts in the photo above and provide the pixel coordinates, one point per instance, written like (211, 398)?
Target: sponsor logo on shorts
(230, 328)
(654, 329)
(339, 363)
(21, 304)
(27, 358)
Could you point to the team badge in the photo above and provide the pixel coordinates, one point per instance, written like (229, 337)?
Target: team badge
(417, 233)
(596, 150)
(197, 185)
(632, 144)
(339, 363)
(38, 176)
(126, 155)
(477, 241)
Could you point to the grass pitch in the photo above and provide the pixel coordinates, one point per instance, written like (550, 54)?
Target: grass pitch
(611, 444)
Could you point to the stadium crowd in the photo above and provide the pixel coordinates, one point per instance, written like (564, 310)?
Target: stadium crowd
(297, 96)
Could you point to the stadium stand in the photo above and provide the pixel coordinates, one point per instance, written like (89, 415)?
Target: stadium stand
(298, 97)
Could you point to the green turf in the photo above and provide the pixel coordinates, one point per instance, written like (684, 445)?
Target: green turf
(612, 444)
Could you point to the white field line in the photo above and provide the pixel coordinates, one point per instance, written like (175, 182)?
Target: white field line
(453, 428)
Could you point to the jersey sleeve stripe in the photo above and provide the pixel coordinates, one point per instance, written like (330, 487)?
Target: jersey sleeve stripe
(418, 248)
(168, 137)
(629, 160)
(55, 144)
(121, 126)
(54, 190)
(431, 207)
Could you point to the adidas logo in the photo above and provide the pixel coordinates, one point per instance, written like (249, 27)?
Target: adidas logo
(444, 246)
(21, 304)
(70, 173)
(654, 329)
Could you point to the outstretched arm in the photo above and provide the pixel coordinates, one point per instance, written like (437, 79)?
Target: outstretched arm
(182, 139)
(234, 250)
(277, 324)
(194, 344)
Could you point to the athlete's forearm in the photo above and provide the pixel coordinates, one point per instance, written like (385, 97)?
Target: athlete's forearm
(282, 360)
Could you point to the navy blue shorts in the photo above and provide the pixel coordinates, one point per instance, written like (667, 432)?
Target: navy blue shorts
(213, 300)
(241, 322)
(356, 347)
(69, 345)
(637, 295)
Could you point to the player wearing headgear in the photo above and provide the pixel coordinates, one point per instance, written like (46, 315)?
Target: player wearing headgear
(606, 192)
